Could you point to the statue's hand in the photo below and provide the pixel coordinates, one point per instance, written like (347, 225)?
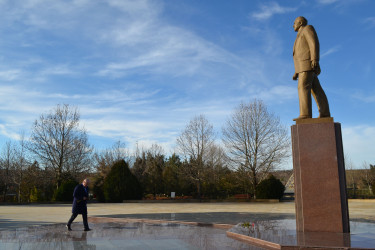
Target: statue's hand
(295, 76)
(314, 64)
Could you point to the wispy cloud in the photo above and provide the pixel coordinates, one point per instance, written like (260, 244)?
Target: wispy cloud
(327, 1)
(135, 73)
(22, 103)
(266, 11)
(273, 94)
(330, 51)
(131, 73)
(370, 21)
(4, 130)
(338, 5)
(366, 98)
(162, 48)
(9, 75)
(58, 70)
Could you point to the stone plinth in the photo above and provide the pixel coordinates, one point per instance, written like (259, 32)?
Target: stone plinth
(319, 172)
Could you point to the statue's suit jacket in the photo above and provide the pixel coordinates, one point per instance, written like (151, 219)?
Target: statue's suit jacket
(305, 49)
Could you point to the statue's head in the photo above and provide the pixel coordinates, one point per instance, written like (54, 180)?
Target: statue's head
(299, 22)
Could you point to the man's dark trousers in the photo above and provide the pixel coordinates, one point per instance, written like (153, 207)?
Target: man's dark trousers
(84, 217)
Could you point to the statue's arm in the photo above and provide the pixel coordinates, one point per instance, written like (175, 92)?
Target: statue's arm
(313, 42)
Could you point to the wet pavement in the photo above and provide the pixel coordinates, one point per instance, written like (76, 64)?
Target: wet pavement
(125, 235)
(162, 226)
(283, 232)
(230, 218)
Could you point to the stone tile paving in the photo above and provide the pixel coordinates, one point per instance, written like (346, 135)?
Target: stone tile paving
(42, 226)
(128, 235)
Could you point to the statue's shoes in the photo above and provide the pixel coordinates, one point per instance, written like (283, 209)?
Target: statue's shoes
(302, 117)
(324, 116)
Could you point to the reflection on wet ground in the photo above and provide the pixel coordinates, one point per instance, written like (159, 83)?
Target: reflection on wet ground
(129, 235)
(180, 231)
(283, 232)
(210, 218)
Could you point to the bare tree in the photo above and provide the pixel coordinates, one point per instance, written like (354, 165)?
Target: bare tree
(7, 162)
(368, 175)
(216, 156)
(256, 140)
(104, 160)
(59, 142)
(352, 177)
(195, 143)
(20, 164)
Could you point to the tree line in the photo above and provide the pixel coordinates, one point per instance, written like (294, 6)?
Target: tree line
(58, 154)
(360, 183)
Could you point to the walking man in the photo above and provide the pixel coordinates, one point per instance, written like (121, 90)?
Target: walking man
(80, 195)
(307, 69)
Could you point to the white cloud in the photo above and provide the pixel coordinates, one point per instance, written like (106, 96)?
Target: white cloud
(268, 10)
(358, 143)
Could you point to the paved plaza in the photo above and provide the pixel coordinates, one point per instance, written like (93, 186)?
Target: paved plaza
(145, 225)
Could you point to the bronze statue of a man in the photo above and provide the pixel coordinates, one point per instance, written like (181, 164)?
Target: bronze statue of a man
(307, 69)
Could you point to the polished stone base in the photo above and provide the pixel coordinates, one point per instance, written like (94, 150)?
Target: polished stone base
(282, 234)
(319, 177)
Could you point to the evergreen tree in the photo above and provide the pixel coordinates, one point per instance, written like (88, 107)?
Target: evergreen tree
(120, 184)
(270, 188)
(65, 191)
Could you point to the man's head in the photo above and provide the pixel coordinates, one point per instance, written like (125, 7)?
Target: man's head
(299, 22)
(85, 182)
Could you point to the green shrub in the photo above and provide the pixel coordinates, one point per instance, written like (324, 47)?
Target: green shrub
(120, 184)
(270, 188)
(35, 195)
(65, 191)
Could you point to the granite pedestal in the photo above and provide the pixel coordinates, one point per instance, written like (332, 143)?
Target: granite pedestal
(319, 172)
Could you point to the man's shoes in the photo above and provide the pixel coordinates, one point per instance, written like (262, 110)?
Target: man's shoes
(301, 117)
(68, 227)
(87, 229)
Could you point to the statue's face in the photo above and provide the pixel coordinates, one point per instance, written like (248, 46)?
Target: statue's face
(297, 24)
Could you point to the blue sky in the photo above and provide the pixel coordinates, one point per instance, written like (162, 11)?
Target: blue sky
(140, 70)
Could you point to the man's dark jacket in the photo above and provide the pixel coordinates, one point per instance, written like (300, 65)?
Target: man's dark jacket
(80, 205)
